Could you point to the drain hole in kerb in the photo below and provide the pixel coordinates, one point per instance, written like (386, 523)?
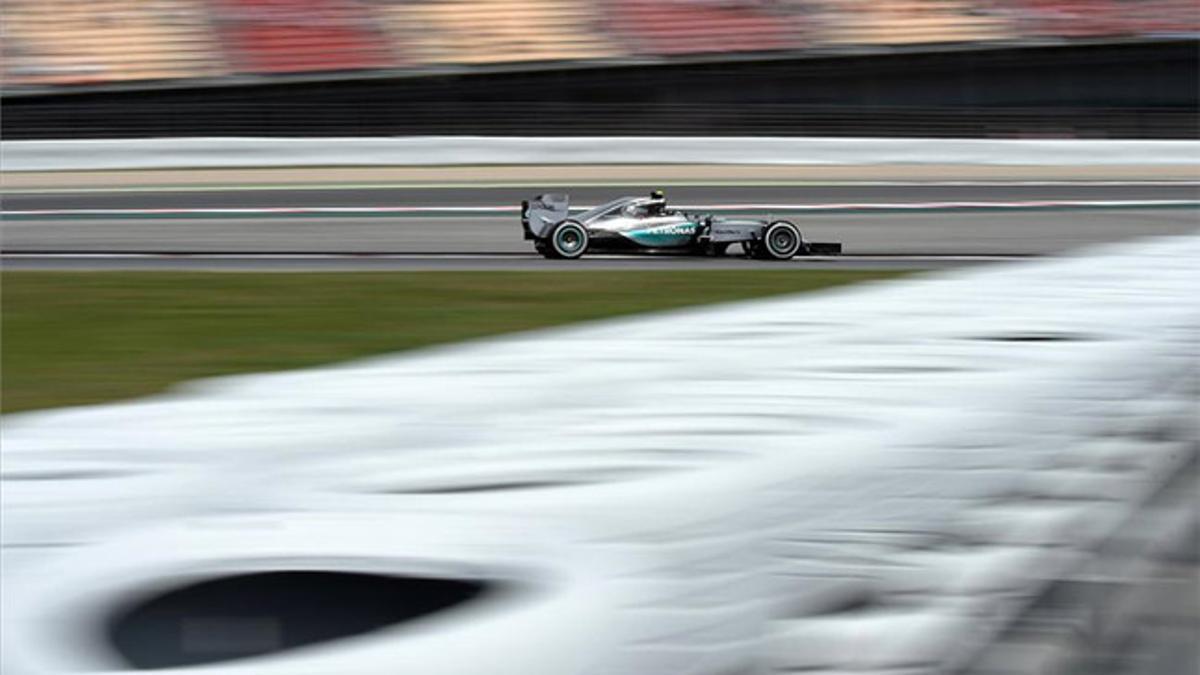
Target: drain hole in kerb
(487, 487)
(256, 614)
(542, 480)
(1037, 337)
(64, 475)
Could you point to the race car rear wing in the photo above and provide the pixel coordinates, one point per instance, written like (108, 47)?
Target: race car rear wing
(543, 212)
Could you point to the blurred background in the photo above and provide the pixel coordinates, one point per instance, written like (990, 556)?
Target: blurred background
(971, 449)
(989, 68)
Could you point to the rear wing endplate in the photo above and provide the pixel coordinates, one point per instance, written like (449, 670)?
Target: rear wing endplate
(542, 212)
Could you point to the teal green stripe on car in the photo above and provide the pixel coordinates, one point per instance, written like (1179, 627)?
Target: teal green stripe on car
(664, 236)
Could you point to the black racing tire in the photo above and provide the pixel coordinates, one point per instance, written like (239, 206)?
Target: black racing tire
(781, 240)
(567, 240)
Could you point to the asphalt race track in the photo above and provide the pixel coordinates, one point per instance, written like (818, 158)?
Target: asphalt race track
(459, 195)
(522, 262)
(880, 225)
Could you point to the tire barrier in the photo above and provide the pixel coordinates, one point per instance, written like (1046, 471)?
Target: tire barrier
(988, 470)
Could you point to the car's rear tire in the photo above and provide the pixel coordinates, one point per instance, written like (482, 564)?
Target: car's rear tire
(567, 240)
(780, 241)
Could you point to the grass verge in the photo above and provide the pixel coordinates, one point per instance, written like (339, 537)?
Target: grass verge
(72, 338)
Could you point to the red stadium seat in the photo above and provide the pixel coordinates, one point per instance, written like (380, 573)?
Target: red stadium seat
(693, 26)
(284, 36)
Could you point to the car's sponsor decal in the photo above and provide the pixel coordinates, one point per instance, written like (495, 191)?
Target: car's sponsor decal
(684, 229)
(673, 234)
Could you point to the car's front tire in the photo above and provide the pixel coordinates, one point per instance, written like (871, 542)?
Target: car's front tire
(567, 240)
(781, 240)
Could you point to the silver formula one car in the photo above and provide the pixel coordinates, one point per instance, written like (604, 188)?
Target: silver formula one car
(645, 224)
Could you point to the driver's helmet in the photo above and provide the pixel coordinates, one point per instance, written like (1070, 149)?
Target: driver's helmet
(658, 203)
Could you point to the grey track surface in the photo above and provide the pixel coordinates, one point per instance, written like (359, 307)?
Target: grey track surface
(290, 263)
(899, 236)
(954, 233)
(488, 196)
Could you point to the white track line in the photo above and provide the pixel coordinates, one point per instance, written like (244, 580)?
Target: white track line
(376, 210)
(449, 256)
(599, 184)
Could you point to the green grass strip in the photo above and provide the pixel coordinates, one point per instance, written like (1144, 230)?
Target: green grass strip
(74, 338)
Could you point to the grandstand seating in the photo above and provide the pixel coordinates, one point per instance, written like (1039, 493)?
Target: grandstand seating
(280, 36)
(1092, 18)
(489, 31)
(683, 26)
(910, 21)
(71, 42)
(1073, 18)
